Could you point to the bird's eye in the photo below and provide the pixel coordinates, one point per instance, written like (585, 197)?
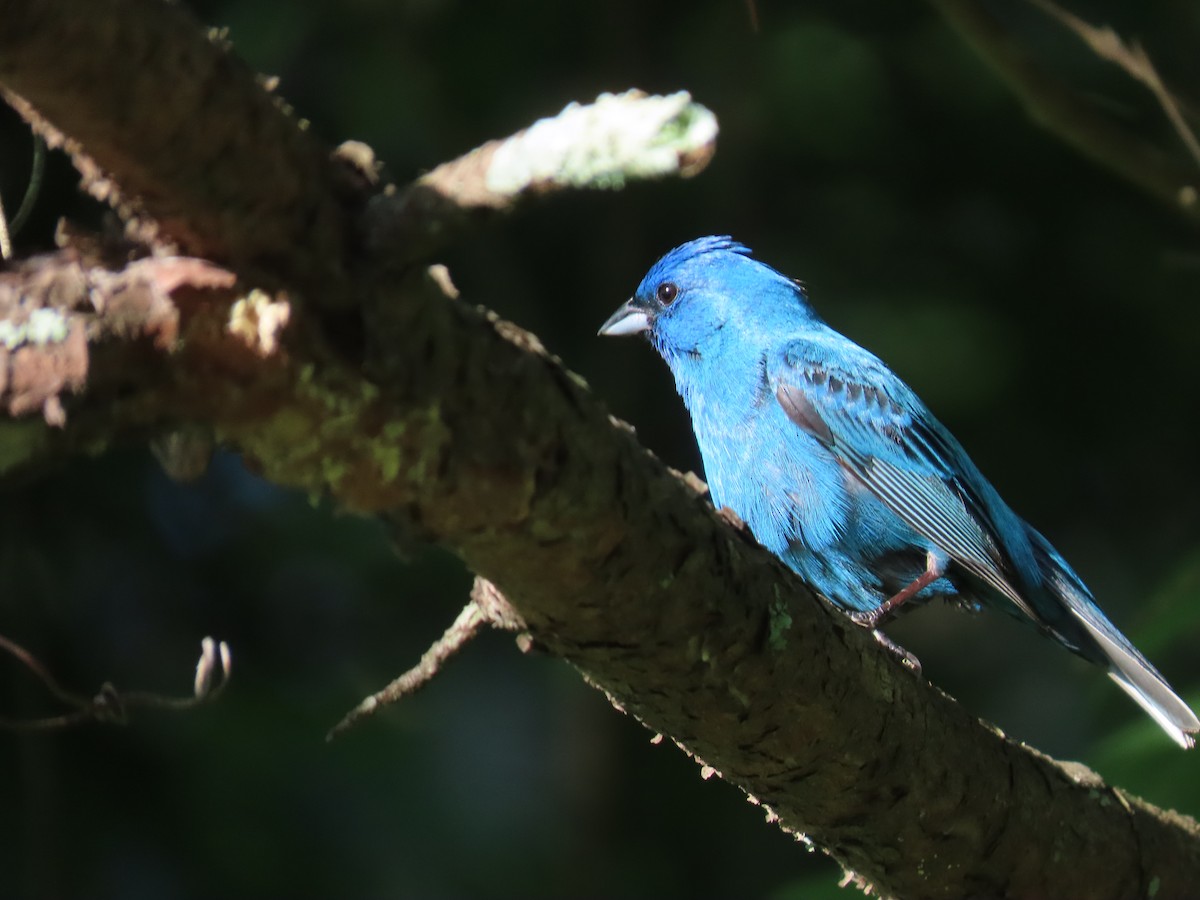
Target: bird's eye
(667, 292)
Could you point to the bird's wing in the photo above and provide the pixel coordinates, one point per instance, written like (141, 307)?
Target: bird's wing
(881, 432)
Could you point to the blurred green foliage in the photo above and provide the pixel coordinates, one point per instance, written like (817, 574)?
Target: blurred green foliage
(1044, 310)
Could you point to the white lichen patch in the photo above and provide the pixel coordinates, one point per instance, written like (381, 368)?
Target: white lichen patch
(603, 144)
(42, 326)
(12, 336)
(259, 321)
(47, 326)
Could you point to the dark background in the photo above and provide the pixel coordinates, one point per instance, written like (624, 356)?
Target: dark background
(1045, 310)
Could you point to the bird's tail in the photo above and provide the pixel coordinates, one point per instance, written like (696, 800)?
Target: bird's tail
(1126, 666)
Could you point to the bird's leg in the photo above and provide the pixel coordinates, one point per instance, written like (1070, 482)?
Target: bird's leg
(933, 571)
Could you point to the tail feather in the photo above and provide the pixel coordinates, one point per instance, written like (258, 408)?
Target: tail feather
(1126, 666)
(1156, 697)
(1140, 680)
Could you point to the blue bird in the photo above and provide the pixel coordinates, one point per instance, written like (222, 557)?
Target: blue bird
(839, 469)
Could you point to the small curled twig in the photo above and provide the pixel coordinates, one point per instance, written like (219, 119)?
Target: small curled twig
(112, 706)
(7, 228)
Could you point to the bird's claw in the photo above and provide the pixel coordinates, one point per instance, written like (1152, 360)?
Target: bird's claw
(907, 659)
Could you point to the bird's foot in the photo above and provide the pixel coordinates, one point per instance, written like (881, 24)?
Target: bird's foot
(872, 617)
(868, 618)
(907, 659)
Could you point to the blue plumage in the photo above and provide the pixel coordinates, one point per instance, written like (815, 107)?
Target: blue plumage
(839, 469)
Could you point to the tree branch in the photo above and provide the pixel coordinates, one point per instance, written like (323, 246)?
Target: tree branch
(1133, 60)
(487, 606)
(462, 425)
(87, 74)
(603, 145)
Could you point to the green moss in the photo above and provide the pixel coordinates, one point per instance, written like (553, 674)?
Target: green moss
(20, 441)
(314, 442)
(288, 426)
(431, 447)
(387, 457)
(333, 471)
(12, 336)
(781, 622)
(343, 422)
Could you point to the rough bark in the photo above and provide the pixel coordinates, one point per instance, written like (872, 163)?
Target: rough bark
(151, 105)
(458, 423)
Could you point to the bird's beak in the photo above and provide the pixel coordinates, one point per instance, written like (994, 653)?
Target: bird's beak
(631, 318)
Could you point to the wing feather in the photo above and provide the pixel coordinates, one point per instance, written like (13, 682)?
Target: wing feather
(882, 434)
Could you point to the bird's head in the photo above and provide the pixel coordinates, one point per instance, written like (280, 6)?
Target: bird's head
(698, 290)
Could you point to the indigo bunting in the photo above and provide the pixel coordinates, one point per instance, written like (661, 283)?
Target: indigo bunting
(839, 469)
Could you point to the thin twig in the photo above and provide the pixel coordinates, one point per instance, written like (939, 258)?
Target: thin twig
(1133, 59)
(5, 240)
(205, 688)
(37, 168)
(465, 627)
(9, 228)
(487, 606)
(752, 12)
(1065, 113)
(34, 665)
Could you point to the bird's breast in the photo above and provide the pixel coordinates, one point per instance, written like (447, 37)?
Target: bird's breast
(784, 484)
